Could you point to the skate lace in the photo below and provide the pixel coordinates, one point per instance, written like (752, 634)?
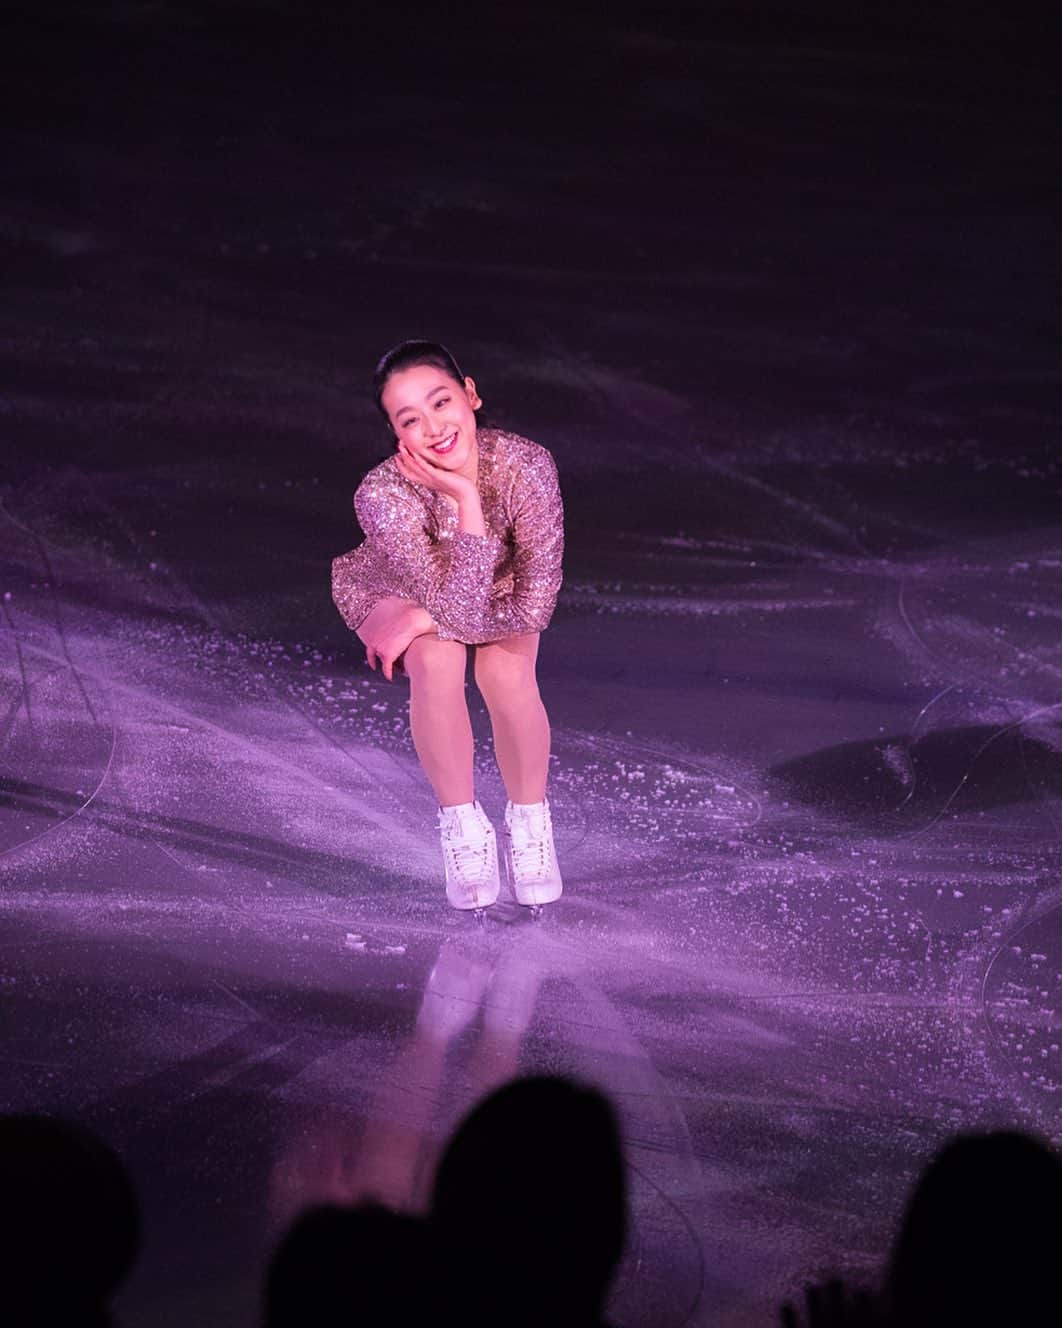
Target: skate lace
(530, 852)
(471, 860)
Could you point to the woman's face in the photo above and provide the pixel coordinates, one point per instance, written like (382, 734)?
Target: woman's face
(434, 416)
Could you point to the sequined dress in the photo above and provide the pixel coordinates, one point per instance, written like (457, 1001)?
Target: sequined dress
(477, 588)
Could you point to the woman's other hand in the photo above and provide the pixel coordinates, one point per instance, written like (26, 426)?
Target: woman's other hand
(388, 630)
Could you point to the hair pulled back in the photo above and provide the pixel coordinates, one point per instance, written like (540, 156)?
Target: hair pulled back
(406, 355)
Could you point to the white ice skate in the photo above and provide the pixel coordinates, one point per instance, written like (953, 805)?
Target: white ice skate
(530, 858)
(470, 852)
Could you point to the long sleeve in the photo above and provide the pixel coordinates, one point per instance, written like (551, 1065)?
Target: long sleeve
(453, 584)
(537, 552)
(353, 591)
(477, 588)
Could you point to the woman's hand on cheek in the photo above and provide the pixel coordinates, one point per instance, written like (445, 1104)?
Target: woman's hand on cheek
(404, 464)
(420, 470)
(415, 467)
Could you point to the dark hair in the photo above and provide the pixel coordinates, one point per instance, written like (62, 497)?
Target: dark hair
(69, 1224)
(330, 1252)
(980, 1235)
(406, 355)
(540, 1154)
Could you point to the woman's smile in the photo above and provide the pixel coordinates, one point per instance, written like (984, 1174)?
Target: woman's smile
(447, 445)
(434, 416)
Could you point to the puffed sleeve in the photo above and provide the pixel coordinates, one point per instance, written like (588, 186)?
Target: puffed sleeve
(355, 588)
(455, 589)
(538, 549)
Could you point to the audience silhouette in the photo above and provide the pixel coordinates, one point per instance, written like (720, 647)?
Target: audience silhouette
(977, 1245)
(70, 1226)
(981, 1238)
(343, 1266)
(528, 1213)
(527, 1224)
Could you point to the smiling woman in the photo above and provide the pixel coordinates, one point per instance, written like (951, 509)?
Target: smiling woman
(464, 534)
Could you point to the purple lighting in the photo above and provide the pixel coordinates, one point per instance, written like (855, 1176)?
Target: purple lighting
(774, 291)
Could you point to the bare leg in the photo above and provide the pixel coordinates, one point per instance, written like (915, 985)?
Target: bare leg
(505, 675)
(438, 715)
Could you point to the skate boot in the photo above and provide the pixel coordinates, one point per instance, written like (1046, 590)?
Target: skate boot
(470, 853)
(530, 858)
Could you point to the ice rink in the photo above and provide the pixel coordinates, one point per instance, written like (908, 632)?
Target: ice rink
(783, 314)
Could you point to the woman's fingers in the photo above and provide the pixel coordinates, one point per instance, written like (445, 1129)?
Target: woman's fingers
(385, 656)
(411, 466)
(390, 655)
(418, 468)
(389, 641)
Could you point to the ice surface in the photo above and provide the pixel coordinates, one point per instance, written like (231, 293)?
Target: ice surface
(791, 358)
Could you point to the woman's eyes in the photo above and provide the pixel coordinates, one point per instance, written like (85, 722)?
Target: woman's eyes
(404, 424)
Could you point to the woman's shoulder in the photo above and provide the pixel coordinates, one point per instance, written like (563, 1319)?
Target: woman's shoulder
(384, 478)
(517, 449)
(384, 472)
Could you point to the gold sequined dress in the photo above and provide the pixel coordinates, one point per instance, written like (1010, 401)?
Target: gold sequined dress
(478, 588)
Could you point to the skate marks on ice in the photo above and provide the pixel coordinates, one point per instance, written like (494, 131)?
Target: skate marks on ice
(886, 932)
(674, 600)
(157, 728)
(962, 812)
(987, 741)
(251, 763)
(927, 919)
(986, 619)
(1021, 997)
(223, 776)
(57, 741)
(876, 959)
(626, 806)
(904, 783)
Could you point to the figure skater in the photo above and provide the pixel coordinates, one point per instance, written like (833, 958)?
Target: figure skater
(462, 553)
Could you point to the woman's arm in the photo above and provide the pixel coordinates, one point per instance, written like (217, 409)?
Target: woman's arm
(455, 591)
(388, 630)
(538, 550)
(458, 594)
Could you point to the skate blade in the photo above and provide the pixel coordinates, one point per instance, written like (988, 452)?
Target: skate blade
(538, 897)
(476, 902)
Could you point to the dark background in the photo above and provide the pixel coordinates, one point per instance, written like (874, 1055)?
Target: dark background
(813, 244)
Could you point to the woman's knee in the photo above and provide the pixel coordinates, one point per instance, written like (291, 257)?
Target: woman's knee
(432, 663)
(504, 677)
